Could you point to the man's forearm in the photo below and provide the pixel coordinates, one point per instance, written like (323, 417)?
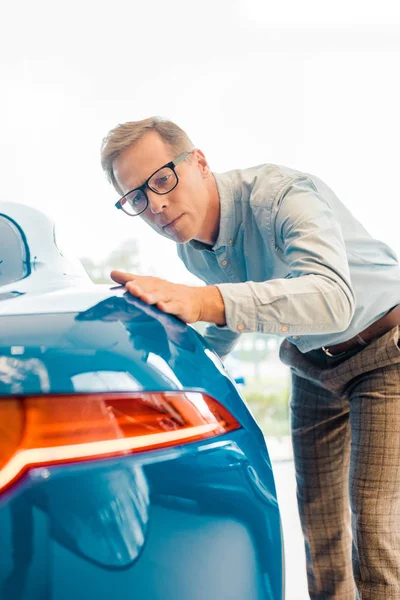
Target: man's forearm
(213, 307)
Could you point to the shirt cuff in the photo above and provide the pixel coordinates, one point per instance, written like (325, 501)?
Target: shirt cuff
(240, 309)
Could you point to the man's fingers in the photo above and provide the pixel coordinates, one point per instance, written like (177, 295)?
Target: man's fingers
(173, 307)
(151, 296)
(134, 289)
(121, 277)
(156, 297)
(163, 306)
(138, 292)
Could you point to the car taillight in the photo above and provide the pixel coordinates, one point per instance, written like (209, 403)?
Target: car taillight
(52, 429)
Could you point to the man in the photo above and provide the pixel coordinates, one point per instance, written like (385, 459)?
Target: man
(280, 254)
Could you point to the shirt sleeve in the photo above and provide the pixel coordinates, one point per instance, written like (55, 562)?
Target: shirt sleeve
(221, 339)
(317, 296)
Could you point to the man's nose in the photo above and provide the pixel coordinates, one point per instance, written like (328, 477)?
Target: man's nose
(157, 202)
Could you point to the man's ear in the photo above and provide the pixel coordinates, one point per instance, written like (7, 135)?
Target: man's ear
(202, 162)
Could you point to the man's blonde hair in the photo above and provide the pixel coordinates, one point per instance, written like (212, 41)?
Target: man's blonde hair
(127, 134)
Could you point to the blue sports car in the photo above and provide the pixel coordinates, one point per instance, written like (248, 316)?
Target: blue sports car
(130, 466)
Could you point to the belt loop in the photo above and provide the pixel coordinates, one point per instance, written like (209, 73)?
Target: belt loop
(360, 340)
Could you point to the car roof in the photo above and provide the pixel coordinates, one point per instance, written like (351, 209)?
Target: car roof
(29, 254)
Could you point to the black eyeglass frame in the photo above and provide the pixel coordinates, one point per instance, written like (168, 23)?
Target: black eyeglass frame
(171, 165)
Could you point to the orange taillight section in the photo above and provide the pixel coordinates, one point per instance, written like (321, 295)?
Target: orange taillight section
(48, 430)
(11, 428)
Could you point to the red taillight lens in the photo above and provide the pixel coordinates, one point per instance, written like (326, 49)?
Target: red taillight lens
(11, 428)
(46, 430)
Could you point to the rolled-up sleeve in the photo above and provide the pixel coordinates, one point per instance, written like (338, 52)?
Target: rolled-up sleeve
(317, 296)
(221, 339)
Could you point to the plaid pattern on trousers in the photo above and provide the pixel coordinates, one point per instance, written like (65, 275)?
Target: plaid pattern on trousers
(345, 415)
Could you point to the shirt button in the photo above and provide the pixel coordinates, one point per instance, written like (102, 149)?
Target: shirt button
(284, 328)
(241, 326)
(230, 242)
(295, 337)
(224, 263)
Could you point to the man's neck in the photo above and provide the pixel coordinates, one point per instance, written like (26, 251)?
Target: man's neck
(210, 235)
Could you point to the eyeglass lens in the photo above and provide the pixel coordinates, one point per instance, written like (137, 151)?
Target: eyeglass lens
(134, 202)
(162, 182)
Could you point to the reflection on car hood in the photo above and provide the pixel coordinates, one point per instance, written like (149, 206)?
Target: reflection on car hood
(55, 298)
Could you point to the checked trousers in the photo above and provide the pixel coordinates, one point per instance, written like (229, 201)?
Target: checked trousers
(345, 419)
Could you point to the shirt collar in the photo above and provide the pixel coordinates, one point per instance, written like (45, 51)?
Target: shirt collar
(227, 220)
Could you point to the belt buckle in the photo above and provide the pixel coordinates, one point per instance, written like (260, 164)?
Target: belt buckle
(328, 353)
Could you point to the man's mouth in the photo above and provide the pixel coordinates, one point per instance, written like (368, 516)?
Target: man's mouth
(172, 223)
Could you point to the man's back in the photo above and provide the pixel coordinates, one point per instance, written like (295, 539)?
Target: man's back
(279, 225)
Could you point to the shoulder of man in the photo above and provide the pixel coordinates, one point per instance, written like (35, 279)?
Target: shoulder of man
(260, 183)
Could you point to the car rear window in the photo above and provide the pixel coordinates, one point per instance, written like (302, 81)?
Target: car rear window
(13, 252)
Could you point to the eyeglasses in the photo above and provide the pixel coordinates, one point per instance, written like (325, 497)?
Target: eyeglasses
(162, 181)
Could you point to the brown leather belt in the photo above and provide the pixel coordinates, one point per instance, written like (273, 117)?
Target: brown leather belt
(375, 330)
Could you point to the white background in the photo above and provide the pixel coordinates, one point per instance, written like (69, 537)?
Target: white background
(311, 85)
(314, 86)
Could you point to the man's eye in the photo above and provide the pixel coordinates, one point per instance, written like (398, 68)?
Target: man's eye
(137, 199)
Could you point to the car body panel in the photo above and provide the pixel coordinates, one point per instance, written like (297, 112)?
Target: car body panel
(180, 523)
(198, 520)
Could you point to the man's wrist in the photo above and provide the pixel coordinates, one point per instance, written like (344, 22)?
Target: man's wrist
(212, 305)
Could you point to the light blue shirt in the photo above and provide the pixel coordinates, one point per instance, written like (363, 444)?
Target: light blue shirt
(291, 260)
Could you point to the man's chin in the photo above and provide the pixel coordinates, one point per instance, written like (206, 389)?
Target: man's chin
(180, 237)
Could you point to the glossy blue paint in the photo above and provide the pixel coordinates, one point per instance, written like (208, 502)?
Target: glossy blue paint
(197, 521)
(188, 522)
(200, 520)
(132, 345)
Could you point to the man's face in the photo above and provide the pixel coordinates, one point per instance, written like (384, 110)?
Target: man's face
(180, 215)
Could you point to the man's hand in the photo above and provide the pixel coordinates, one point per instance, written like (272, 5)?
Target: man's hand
(190, 304)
